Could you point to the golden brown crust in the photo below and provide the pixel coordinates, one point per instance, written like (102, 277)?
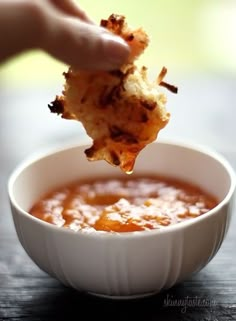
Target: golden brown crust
(122, 111)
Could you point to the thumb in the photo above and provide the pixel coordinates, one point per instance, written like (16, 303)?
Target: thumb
(84, 46)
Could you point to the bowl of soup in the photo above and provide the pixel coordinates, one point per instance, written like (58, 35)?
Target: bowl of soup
(110, 234)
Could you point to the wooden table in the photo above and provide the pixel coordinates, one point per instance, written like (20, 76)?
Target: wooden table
(204, 111)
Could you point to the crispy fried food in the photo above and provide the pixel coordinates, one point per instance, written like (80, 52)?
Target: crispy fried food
(122, 111)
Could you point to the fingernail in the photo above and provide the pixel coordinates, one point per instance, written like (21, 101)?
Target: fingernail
(116, 49)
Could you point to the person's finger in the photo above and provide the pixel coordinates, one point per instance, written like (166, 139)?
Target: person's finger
(69, 7)
(84, 46)
(20, 27)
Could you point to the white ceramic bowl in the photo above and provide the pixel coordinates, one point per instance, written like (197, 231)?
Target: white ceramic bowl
(123, 265)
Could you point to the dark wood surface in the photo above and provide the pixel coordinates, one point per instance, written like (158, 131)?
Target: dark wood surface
(204, 111)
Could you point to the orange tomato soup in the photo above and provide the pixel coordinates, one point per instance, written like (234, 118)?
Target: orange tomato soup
(123, 204)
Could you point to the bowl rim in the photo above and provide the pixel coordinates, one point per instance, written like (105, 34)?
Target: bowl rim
(58, 148)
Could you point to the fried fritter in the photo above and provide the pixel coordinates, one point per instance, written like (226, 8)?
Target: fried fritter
(121, 110)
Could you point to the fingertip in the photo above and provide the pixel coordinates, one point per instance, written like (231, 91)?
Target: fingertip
(71, 8)
(116, 50)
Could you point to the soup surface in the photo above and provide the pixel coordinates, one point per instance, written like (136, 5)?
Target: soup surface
(123, 205)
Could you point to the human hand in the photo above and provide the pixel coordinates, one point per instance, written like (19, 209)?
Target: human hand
(63, 30)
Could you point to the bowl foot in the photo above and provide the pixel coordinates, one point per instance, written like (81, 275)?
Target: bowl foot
(122, 297)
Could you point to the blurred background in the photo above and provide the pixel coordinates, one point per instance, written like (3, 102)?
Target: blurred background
(186, 36)
(194, 39)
